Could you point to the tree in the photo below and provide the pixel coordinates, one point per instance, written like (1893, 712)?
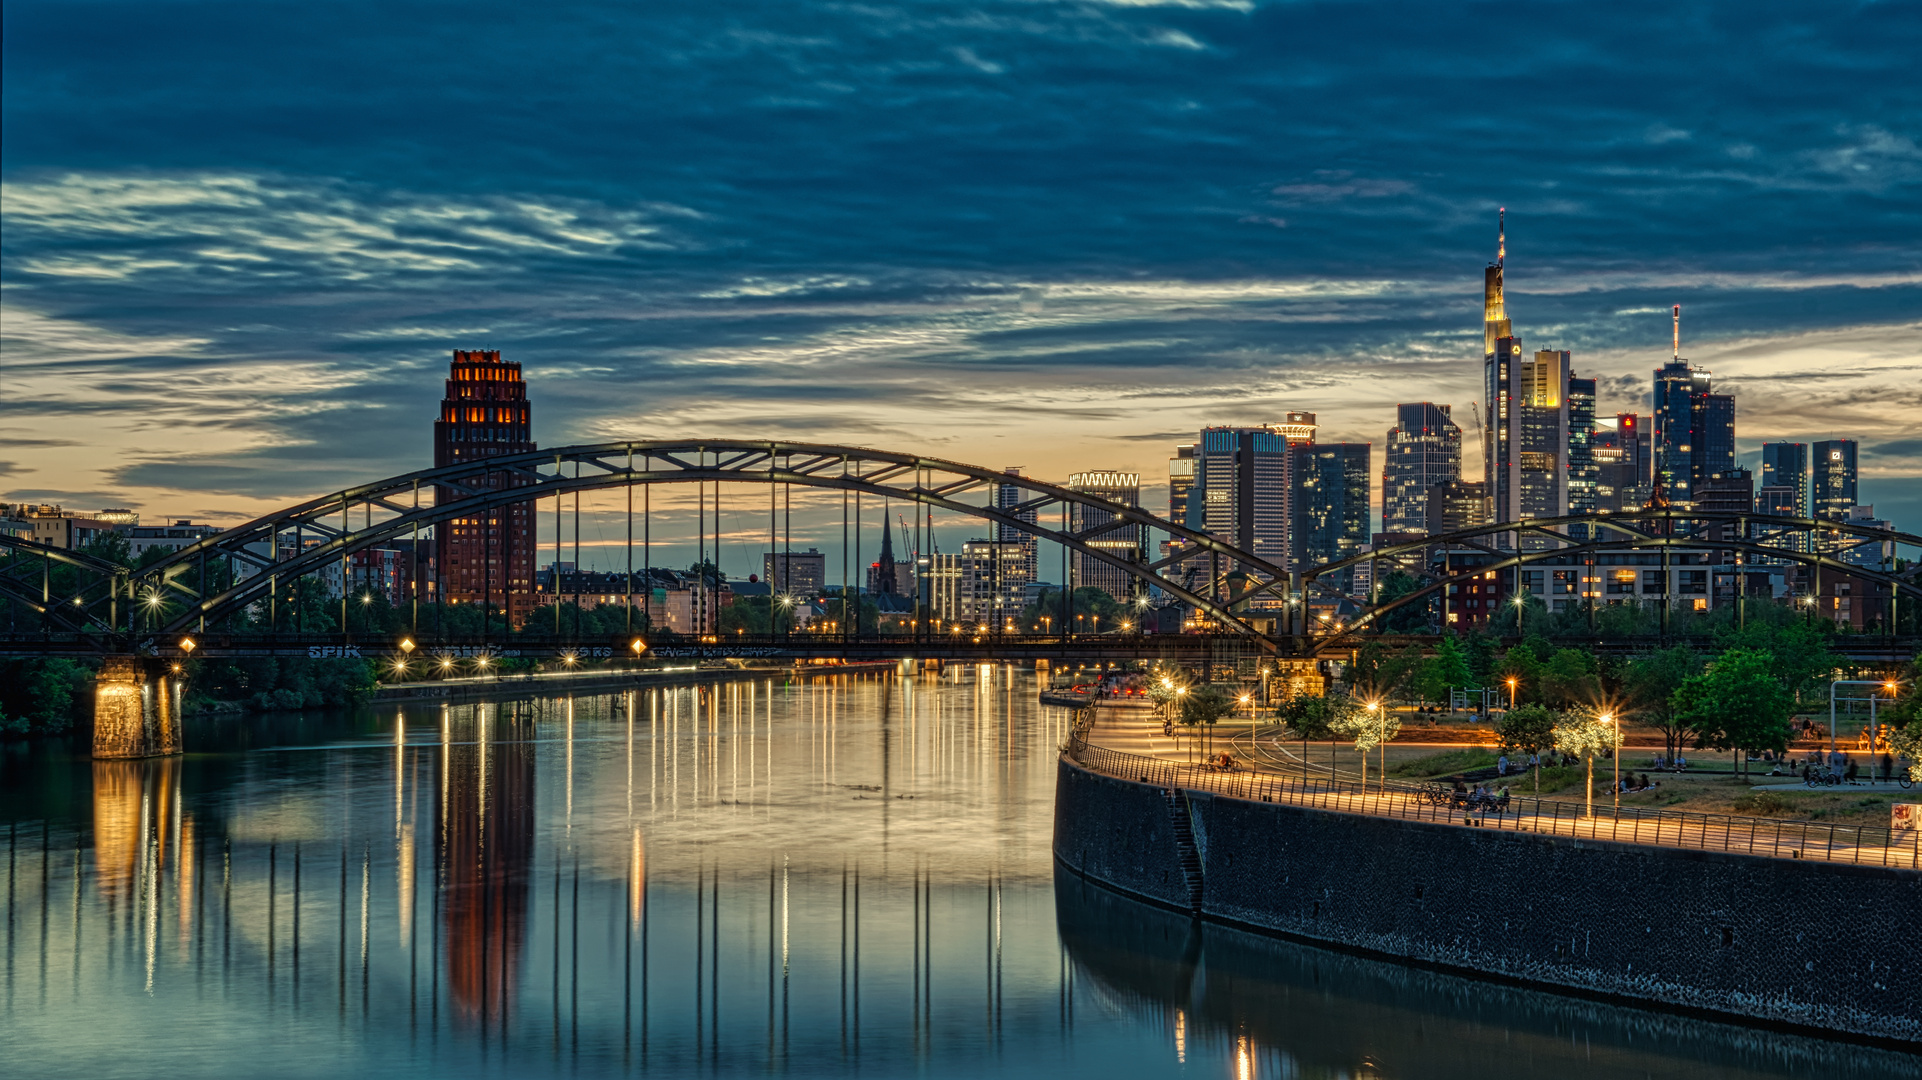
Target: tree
(1582, 733)
(1307, 718)
(1570, 677)
(1739, 704)
(1204, 706)
(1800, 650)
(1371, 727)
(1649, 683)
(1528, 730)
(1413, 617)
(1446, 671)
(1906, 741)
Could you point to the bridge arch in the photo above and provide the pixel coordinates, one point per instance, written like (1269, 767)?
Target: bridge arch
(392, 508)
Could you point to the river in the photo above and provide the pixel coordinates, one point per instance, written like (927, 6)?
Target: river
(832, 876)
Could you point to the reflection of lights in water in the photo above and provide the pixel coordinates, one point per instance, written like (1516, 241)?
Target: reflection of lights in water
(1244, 1064)
(1181, 1036)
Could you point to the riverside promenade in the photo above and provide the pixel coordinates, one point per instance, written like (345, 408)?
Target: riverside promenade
(1129, 744)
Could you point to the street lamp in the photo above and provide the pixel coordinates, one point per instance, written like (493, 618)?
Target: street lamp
(1616, 755)
(1521, 607)
(1511, 693)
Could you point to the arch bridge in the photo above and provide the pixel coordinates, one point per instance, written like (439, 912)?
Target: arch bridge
(228, 587)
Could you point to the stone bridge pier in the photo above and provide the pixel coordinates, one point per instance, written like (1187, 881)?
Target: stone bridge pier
(136, 708)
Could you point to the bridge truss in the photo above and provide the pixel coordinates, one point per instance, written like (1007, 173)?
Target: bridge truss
(1263, 604)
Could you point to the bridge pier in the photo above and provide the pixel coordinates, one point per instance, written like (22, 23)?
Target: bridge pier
(136, 708)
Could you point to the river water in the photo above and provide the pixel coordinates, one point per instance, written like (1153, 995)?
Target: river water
(833, 876)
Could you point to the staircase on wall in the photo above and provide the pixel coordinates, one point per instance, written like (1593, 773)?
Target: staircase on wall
(1185, 846)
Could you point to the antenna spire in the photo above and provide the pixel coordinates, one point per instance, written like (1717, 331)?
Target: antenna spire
(1501, 237)
(1678, 332)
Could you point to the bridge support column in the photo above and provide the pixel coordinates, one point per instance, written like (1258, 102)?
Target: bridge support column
(136, 709)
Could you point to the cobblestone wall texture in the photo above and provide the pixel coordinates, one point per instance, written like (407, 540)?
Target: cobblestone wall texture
(1810, 944)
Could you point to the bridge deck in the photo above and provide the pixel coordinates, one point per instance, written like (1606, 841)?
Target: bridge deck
(1130, 746)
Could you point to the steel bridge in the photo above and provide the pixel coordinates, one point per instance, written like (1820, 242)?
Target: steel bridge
(1251, 603)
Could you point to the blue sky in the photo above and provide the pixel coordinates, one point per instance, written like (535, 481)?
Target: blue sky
(240, 238)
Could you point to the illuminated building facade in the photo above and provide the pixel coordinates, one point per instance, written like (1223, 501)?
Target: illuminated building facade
(1694, 427)
(1525, 440)
(1424, 449)
(486, 559)
(1832, 479)
(1243, 490)
(1006, 498)
(1785, 471)
(1123, 541)
(1331, 503)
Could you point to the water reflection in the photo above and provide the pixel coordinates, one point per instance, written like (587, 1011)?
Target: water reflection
(836, 875)
(1275, 1008)
(484, 849)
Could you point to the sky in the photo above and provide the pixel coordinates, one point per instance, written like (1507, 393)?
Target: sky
(238, 240)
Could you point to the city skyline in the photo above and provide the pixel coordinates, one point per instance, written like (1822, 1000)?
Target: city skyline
(207, 325)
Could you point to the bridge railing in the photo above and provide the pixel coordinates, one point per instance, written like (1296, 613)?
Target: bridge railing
(1856, 844)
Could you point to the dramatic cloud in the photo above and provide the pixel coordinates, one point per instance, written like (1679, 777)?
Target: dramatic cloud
(239, 239)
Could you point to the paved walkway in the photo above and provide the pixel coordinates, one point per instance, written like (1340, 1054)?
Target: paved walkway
(1131, 744)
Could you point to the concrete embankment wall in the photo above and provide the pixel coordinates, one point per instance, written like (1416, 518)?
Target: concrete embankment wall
(1804, 944)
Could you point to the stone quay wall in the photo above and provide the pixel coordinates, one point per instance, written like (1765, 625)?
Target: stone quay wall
(1805, 945)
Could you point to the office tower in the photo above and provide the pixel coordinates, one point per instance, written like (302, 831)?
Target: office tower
(1582, 473)
(1243, 490)
(991, 586)
(1330, 504)
(487, 558)
(1785, 465)
(1712, 449)
(795, 573)
(1006, 498)
(1525, 440)
(1122, 541)
(1424, 449)
(1832, 479)
(1694, 428)
(1181, 480)
(1457, 505)
(1730, 491)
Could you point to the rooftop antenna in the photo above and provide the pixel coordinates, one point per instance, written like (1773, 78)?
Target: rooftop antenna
(1501, 237)
(1678, 332)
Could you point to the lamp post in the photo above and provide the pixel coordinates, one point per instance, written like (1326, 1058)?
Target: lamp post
(1877, 683)
(1511, 693)
(1615, 748)
(1381, 751)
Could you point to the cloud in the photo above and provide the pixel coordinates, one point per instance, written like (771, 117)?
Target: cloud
(1048, 232)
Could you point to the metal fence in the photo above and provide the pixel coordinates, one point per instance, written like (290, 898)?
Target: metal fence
(1860, 844)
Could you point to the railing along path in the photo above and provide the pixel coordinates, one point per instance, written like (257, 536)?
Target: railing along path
(1859, 844)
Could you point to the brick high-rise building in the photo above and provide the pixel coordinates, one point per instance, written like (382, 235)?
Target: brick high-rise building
(487, 558)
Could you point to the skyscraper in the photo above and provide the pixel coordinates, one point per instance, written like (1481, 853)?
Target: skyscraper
(1424, 449)
(1525, 441)
(1582, 474)
(488, 558)
(1006, 498)
(1242, 485)
(1694, 428)
(1786, 465)
(1832, 479)
(1122, 542)
(1181, 480)
(1330, 503)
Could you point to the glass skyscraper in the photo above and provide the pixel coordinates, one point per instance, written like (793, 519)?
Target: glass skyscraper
(1786, 465)
(1832, 479)
(1424, 449)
